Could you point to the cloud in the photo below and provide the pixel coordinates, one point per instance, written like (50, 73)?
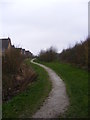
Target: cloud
(39, 24)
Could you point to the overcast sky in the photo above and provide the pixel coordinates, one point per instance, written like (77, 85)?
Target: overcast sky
(39, 24)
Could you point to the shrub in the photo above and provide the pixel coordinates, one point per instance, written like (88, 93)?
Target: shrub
(48, 55)
(16, 75)
(78, 54)
(16, 83)
(11, 61)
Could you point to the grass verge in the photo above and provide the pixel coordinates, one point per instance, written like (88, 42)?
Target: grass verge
(26, 104)
(76, 81)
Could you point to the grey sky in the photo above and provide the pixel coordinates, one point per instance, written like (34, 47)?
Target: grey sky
(39, 24)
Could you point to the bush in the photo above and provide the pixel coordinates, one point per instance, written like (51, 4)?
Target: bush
(16, 75)
(77, 55)
(11, 61)
(16, 83)
(49, 55)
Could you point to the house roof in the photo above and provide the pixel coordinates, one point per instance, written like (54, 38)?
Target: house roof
(5, 43)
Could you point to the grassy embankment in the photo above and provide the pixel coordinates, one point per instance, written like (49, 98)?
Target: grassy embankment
(26, 103)
(76, 81)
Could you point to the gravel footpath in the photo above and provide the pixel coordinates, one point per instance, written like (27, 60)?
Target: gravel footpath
(57, 101)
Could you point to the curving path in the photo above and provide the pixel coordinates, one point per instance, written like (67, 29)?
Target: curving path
(57, 101)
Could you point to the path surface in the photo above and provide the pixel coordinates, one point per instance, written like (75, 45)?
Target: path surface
(57, 101)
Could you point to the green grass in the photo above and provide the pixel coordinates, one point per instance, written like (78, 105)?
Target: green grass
(26, 104)
(76, 81)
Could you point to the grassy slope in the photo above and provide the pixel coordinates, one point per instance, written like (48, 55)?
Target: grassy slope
(76, 81)
(26, 103)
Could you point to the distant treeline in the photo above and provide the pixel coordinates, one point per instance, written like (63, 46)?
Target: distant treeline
(77, 55)
(48, 55)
